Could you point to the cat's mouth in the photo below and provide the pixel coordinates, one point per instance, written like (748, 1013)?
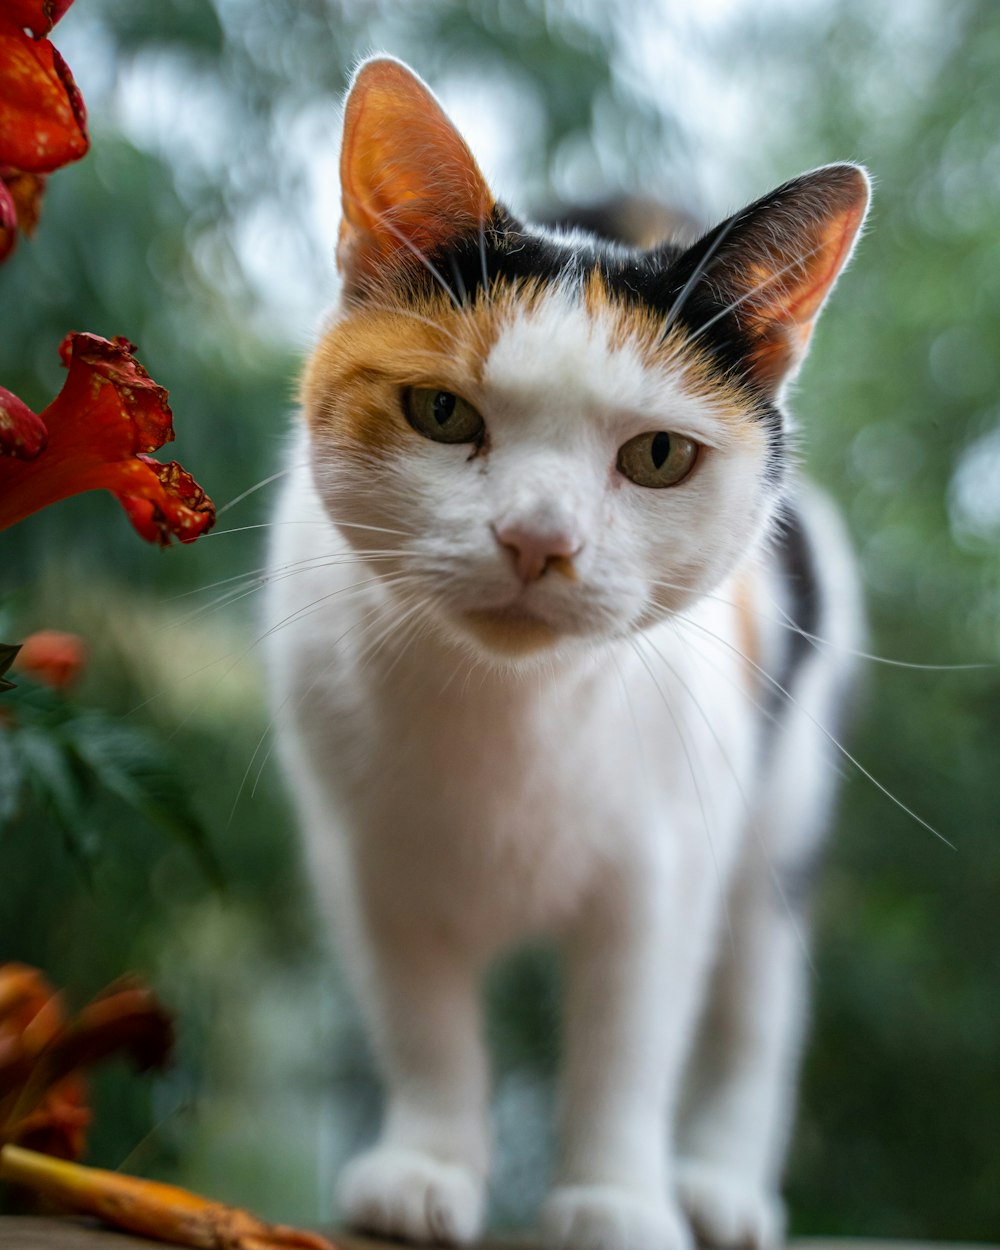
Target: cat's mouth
(511, 629)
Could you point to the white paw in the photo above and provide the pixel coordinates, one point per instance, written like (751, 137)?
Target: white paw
(602, 1217)
(408, 1194)
(727, 1211)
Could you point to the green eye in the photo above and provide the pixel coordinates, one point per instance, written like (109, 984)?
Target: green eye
(657, 458)
(442, 416)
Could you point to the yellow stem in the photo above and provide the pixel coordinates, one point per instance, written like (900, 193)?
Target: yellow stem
(150, 1208)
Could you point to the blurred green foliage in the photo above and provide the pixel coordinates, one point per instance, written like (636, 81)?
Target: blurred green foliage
(188, 228)
(59, 761)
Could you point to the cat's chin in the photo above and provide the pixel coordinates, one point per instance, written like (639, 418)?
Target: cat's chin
(511, 631)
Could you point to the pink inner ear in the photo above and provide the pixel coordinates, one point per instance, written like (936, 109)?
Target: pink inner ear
(832, 247)
(409, 181)
(794, 282)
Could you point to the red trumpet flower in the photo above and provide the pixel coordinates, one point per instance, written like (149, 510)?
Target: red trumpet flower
(97, 433)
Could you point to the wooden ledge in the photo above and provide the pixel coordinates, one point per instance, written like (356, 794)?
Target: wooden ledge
(29, 1232)
(38, 1233)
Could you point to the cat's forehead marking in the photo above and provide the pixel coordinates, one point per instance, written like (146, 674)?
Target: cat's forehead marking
(556, 344)
(574, 350)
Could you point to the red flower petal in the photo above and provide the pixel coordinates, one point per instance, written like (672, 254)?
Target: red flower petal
(38, 16)
(58, 1126)
(188, 511)
(31, 1020)
(22, 434)
(108, 415)
(42, 1097)
(43, 122)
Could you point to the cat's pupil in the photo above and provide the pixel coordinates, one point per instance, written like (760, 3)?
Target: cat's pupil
(660, 448)
(444, 406)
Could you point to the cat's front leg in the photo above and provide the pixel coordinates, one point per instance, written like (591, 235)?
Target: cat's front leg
(424, 1179)
(634, 976)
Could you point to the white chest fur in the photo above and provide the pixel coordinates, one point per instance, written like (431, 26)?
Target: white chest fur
(498, 801)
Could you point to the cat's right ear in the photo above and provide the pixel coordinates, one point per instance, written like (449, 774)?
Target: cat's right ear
(773, 265)
(408, 180)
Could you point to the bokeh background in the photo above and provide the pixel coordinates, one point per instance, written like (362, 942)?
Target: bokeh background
(201, 226)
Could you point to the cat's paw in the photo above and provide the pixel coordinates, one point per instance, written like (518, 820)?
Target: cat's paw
(603, 1217)
(411, 1195)
(727, 1211)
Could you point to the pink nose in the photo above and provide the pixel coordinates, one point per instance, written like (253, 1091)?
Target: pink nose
(535, 551)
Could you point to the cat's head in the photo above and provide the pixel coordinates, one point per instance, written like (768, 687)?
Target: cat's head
(541, 437)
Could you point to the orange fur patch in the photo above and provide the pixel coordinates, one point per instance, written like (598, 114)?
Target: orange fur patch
(564, 566)
(354, 380)
(511, 634)
(747, 631)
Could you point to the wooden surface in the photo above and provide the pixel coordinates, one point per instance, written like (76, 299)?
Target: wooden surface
(33, 1233)
(36, 1233)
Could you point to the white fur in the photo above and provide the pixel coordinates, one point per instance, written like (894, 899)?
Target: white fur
(607, 792)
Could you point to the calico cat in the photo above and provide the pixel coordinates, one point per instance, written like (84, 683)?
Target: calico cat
(545, 589)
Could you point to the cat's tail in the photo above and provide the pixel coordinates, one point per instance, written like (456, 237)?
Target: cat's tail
(823, 599)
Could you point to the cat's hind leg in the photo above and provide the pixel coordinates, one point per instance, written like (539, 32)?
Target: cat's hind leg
(741, 1083)
(740, 1091)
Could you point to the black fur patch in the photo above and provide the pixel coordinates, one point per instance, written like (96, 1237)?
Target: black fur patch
(799, 572)
(796, 878)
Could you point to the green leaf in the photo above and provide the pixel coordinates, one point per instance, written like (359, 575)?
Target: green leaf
(54, 775)
(11, 777)
(136, 769)
(8, 653)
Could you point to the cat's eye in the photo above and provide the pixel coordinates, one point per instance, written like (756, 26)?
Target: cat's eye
(657, 458)
(442, 416)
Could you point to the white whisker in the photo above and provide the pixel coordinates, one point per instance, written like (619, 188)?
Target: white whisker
(258, 486)
(751, 823)
(482, 261)
(696, 275)
(831, 738)
(694, 781)
(755, 290)
(280, 708)
(250, 584)
(785, 621)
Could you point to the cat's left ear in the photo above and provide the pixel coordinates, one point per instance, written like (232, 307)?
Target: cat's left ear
(774, 264)
(409, 182)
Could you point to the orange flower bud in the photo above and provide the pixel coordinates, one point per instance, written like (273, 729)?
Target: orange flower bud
(53, 658)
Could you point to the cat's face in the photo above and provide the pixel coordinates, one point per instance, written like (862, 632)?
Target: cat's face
(541, 439)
